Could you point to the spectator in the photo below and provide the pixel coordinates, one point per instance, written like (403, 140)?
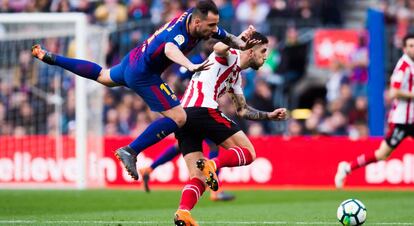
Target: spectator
(226, 10)
(252, 12)
(317, 116)
(278, 10)
(61, 6)
(172, 9)
(337, 77)
(138, 9)
(255, 129)
(294, 128)
(4, 6)
(111, 13)
(273, 58)
(359, 67)
(293, 58)
(262, 100)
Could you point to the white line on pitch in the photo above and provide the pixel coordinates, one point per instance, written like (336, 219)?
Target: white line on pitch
(170, 222)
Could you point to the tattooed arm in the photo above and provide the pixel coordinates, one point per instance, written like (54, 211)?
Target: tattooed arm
(235, 42)
(247, 112)
(231, 41)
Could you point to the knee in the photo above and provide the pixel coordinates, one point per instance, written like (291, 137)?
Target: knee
(105, 79)
(383, 152)
(381, 155)
(180, 118)
(252, 152)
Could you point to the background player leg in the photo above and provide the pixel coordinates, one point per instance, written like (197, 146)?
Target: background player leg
(167, 155)
(345, 168)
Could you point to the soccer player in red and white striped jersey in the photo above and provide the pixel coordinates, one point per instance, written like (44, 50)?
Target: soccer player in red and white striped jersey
(205, 120)
(401, 115)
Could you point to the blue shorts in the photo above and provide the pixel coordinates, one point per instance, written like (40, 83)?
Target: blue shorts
(132, 73)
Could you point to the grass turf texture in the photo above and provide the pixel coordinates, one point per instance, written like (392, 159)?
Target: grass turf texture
(132, 207)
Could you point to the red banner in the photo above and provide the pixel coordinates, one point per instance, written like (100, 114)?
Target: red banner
(296, 162)
(305, 161)
(330, 44)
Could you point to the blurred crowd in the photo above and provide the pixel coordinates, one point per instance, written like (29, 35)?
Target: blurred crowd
(246, 11)
(41, 90)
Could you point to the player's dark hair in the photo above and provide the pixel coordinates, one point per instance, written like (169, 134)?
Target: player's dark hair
(258, 36)
(203, 7)
(406, 37)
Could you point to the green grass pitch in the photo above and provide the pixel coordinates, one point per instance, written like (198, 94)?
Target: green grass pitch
(256, 207)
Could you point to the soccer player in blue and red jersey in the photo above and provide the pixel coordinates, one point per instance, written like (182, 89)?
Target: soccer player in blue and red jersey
(141, 68)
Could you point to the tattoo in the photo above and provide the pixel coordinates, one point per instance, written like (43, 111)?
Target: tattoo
(245, 111)
(233, 41)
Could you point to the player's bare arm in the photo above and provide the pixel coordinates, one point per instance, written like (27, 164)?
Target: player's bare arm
(248, 112)
(235, 42)
(400, 94)
(175, 54)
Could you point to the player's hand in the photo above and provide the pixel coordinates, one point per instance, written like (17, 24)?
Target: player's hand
(250, 43)
(247, 34)
(200, 67)
(278, 114)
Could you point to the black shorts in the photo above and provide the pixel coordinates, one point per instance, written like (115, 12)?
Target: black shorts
(204, 123)
(397, 132)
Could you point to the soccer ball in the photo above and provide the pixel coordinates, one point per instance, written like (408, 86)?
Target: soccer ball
(351, 212)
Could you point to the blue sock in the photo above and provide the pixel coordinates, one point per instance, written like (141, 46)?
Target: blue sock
(166, 156)
(155, 132)
(212, 154)
(82, 68)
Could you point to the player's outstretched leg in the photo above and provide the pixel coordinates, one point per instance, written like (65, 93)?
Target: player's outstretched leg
(208, 168)
(145, 173)
(183, 218)
(82, 68)
(128, 157)
(344, 168)
(169, 154)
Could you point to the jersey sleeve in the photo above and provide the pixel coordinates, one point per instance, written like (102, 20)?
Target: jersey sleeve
(398, 75)
(177, 38)
(220, 34)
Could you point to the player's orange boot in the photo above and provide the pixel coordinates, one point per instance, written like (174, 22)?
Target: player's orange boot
(183, 218)
(43, 55)
(145, 173)
(208, 167)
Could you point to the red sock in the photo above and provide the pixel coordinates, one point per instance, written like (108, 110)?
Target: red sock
(363, 160)
(192, 191)
(235, 156)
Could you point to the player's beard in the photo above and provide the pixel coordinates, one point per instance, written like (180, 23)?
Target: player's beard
(255, 65)
(201, 35)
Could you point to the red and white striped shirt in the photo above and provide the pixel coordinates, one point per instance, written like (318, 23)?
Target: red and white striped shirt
(402, 110)
(207, 86)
